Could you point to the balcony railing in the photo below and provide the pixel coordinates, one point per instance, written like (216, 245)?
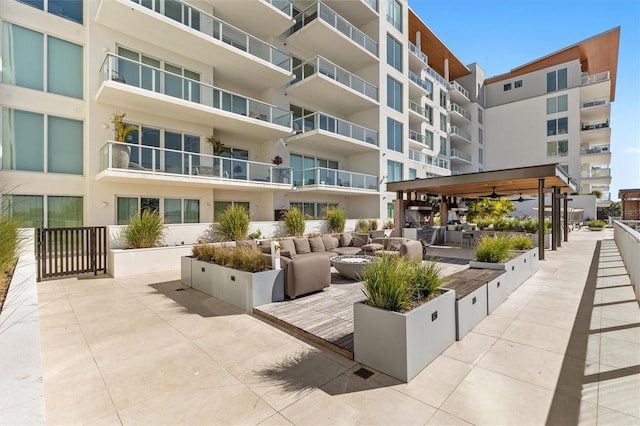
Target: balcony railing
(437, 76)
(423, 158)
(420, 138)
(455, 130)
(136, 74)
(596, 78)
(320, 176)
(460, 154)
(325, 122)
(595, 149)
(425, 84)
(198, 20)
(454, 85)
(413, 106)
(373, 4)
(326, 14)
(597, 173)
(595, 102)
(319, 65)
(414, 49)
(285, 6)
(463, 112)
(595, 126)
(162, 161)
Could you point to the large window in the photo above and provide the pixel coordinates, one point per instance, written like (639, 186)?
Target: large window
(24, 141)
(557, 126)
(412, 173)
(428, 112)
(443, 98)
(428, 138)
(390, 210)
(443, 122)
(394, 94)
(394, 135)
(557, 80)
(394, 14)
(557, 104)
(558, 148)
(443, 145)
(173, 210)
(313, 210)
(24, 63)
(480, 119)
(480, 136)
(29, 210)
(304, 169)
(480, 156)
(394, 171)
(68, 9)
(394, 53)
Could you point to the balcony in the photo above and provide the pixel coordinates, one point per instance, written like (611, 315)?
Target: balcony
(322, 131)
(458, 94)
(264, 18)
(183, 168)
(595, 132)
(599, 154)
(334, 181)
(420, 87)
(597, 175)
(595, 86)
(420, 139)
(437, 77)
(330, 87)
(320, 30)
(459, 114)
(358, 12)
(418, 112)
(417, 59)
(459, 156)
(456, 134)
(440, 166)
(132, 85)
(598, 109)
(190, 32)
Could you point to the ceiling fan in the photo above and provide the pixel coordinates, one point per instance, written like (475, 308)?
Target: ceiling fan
(520, 199)
(493, 194)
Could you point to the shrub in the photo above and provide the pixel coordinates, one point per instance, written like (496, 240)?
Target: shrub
(492, 249)
(239, 257)
(426, 279)
(373, 225)
(596, 223)
(144, 230)
(484, 223)
(233, 223)
(8, 242)
(362, 225)
(530, 226)
(520, 242)
(515, 224)
(390, 225)
(255, 235)
(501, 224)
(294, 222)
(336, 219)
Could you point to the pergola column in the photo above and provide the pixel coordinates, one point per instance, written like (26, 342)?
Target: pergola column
(540, 219)
(554, 219)
(566, 216)
(399, 213)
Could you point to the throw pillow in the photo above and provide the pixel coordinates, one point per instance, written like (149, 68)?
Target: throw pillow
(302, 245)
(372, 247)
(329, 242)
(394, 244)
(346, 239)
(360, 239)
(316, 244)
(287, 245)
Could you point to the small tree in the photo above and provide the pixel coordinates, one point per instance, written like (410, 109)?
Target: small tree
(336, 219)
(490, 209)
(362, 225)
(120, 129)
(233, 223)
(294, 222)
(144, 230)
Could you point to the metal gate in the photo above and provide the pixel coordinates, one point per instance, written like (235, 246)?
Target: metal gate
(70, 251)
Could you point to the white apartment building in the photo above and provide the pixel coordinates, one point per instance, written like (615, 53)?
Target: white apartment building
(318, 104)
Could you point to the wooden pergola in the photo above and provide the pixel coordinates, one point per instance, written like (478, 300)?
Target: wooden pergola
(534, 180)
(630, 203)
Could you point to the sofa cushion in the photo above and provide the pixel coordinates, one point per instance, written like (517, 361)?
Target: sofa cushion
(316, 244)
(346, 239)
(247, 243)
(329, 242)
(349, 251)
(302, 245)
(372, 247)
(360, 239)
(288, 246)
(265, 246)
(394, 244)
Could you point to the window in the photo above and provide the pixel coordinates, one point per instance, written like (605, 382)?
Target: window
(394, 14)
(557, 80)
(26, 210)
(443, 122)
(517, 83)
(64, 212)
(24, 141)
(304, 170)
(394, 135)
(394, 53)
(557, 126)
(412, 173)
(565, 167)
(443, 98)
(480, 156)
(428, 111)
(394, 94)
(29, 210)
(443, 145)
(428, 138)
(219, 207)
(507, 87)
(68, 9)
(557, 104)
(24, 65)
(173, 210)
(480, 137)
(390, 210)
(313, 210)
(480, 119)
(394, 171)
(558, 148)
(181, 211)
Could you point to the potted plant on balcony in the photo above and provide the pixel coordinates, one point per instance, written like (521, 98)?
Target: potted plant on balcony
(121, 153)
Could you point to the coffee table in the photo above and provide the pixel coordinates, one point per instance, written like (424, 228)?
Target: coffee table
(351, 266)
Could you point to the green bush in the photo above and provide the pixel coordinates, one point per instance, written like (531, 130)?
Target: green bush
(8, 242)
(520, 242)
(294, 222)
(336, 219)
(492, 249)
(255, 235)
(362, 225)
(530, 226)
(501, 224)
(596, 224)
(484, 223)
(426, 279)
(239, 257)
(373, 225)
(144, 230)
(233, 223)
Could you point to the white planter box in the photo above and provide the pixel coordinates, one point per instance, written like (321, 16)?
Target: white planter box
(401, 345)
(470, 310)
(125, 262)
(534, 260)
(497, 291)
(521, 267)
(202, 276)
(185, 270)
(547, 240)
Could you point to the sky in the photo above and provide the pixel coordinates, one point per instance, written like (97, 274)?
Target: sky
(502, 34)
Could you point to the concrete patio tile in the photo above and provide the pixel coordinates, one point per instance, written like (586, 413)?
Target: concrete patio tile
(108, 420)
(493, 325)
(619, 389)
(556, 303)
(550, 317)
(612, 271)
(619, 353)
(537, 335)
(350, 400)
(612, 417)
(276, 420)
(570, 411)
(585, 347)
(202, 401)
(620, 330)
(486, 397)
(445, 419)
(510, 308)
(56, 313)
(124, 322)
(471, 348)
(603, 282)
(96, 307)
(616, 294)
(625, 312)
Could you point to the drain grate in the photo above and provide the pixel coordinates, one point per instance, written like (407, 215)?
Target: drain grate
(364, 373)
(179, 289)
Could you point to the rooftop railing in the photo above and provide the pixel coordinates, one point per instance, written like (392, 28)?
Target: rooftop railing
(325, 122)
(454, 85)
(136, 74)
(415, 107)
(595, 78)
(423, 158)
(326, 14)
(440, 79)
(320, 176)
(201, 21)
(414, 49)
(460, 154)
(463, 112)
(595, 149)
(162, 161)
(595, 102)
(455, 130)
(319, 65)
(425, 84)
(285, 6)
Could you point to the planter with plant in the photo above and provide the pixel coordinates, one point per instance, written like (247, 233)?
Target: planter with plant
(362, 226)
(121, 153)
(294, 222)
(596, 225)
(144, 230)
(232, 224)
(527, 256)
(407, 319)
(336, 220)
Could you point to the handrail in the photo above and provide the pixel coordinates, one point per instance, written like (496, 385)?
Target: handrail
(285, 6)
(463, 112)
(328, 123)
(425, 84)
(595, 149)
(595, 78)
(595, 125)
(596, 173)
(423, 158)
(456, 86)
(143, 76)
(328, 15)
(373, 4)
(415, 107)
(321, 176)
(216, 28)
(433, 73)
(319, 65)
(595, 102)
(421, 138)
(455, 130)
(627, 237)
(163, 161)
(460, 154)
(414, 49)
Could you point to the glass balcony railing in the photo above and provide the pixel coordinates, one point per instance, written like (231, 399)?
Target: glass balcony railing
(285, 6)
(326, 14)
(425, 84)
(200, 21)
(598, 172)
(325, 122)
(414, 49)
(454, 85)
(184, 163)
(455, 130)
(440, 79)
(595, 102)
(420, 138)
(463, 112)
(320, 176)
(595, 149)
(413, 106)
(423, 158)
(459, 154)
(373, 4)
(319, 65)
(596, 78)
(595, 125)
(136, 74)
